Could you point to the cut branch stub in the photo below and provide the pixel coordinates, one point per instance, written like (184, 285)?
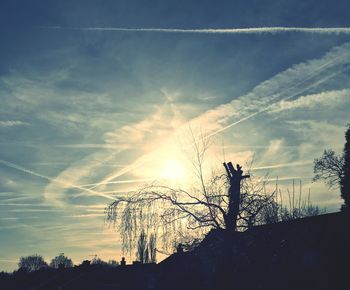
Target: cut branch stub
(233, 173)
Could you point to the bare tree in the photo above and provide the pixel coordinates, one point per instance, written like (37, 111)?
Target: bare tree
(225, 199)
(295, 208)
(329, 167)
(98, 261)
(32, 263)
(61, 261)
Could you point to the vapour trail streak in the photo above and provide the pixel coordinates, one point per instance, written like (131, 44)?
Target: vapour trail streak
(314, 73)
(31, 172)
(281, 100)
(247, 30)
(288, 178)
(118, 182)
(259, 112)
(140, 161)
(283, 165)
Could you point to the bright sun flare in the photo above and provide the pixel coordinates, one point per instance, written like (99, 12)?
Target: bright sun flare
(173, 170)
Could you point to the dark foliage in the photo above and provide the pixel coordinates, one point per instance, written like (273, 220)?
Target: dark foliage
(32, 263)
(329, 168)
(61, 261)
(345, 181)
(334, 170)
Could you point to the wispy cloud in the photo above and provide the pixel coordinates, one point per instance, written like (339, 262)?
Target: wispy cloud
(13, 123)
(9, 261)
(248, 30)
(284, 86)
(293, 89)
(91, 146)
(31, 172)
(283, 165)
(88, 215)
(328, 98)
(119, 182)
(17, 218)
(287, 178)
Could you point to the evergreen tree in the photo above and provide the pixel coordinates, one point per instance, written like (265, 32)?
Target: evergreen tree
(334, 170)
(345, 181)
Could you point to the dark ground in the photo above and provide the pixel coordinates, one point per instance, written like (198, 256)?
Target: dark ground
(310, 253)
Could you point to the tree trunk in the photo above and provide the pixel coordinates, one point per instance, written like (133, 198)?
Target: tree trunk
(234, 193)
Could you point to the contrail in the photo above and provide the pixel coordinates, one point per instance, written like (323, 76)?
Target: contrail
(246, 30)
(140, 161)
(118, 182)
(31, 172)
(288, 178)
(314, 73)
(281, 100)
(282, 165)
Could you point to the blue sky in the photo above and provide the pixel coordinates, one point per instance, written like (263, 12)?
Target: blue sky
(85, 106)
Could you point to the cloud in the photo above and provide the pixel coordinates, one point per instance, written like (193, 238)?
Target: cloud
(287, 178)
(13, 123)
(54, 180)
(248, 30)
(9, 261)
(90, 146)
(154, 132)
(282, 87)
(283, 165)
(119, 182)
(144, 134)
(89, 215)
(286, 85)
(328, 98)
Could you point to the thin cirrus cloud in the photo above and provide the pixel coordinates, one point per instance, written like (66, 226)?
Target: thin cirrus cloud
(283, 165)
(13, 123)
(327, 98)
(248, 30)
(31, 172)
(284, 86)
(268, 95)
(287, 85)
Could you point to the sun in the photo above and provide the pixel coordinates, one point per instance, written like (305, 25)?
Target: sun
(173, 170)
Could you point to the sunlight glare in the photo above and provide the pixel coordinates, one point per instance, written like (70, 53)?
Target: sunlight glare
(173, 170)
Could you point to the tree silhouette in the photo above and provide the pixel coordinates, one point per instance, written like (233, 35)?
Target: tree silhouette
(32, 263)
(98, 261)
(224, 199)
(142, 254)
(334, 170)
(329, 168)
(345, 181)
(113, 263)
(235, 176)
(152, 244)
(61, 261)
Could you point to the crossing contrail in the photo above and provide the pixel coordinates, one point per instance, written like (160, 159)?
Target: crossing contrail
(245, 30)
(298, 87)
(119, 182)
(31, 172)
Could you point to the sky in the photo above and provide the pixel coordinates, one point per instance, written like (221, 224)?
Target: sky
(97, 97)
